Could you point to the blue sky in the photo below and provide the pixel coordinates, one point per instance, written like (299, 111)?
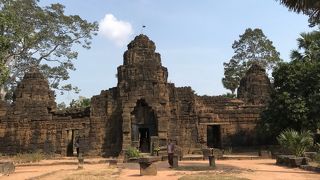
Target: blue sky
(193, 37)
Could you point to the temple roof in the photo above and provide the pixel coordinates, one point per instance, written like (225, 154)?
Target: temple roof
(142, 42)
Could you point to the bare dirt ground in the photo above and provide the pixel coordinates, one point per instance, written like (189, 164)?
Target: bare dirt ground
(250, 169)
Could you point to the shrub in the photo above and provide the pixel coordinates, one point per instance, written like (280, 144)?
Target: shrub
(294, 142)
(132, 152)
(317, 158)
(28, 157)
(317, 147)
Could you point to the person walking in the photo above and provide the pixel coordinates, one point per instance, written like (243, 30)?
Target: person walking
(170, 149)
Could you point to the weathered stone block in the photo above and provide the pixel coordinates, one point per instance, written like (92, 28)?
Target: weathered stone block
(7, 168)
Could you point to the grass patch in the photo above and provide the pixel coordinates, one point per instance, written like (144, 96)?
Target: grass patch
(194, 168)
(28, 157)
(210, 177)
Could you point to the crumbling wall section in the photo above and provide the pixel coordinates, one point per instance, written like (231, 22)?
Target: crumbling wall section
(237, 120)
(255, 87)
(105, 124)
(184, 125)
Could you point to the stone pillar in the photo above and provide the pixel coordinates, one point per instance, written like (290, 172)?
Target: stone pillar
(175, 163)
(212, 161)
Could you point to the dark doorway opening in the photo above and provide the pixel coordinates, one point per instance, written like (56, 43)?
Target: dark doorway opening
(213, 136)
(144, 140)
(70, 137)
(143, 126)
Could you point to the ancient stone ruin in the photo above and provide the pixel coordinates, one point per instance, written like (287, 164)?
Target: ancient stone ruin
(255, 86)
(142, 111)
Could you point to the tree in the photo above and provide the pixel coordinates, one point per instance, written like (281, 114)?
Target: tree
(308, 7)
(82, 102)
(253, 46)
(295, 102)
(229, 95)
(40, 36)
(309, 43)
(61, 106)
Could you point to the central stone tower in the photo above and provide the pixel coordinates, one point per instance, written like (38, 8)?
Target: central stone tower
(144, 95)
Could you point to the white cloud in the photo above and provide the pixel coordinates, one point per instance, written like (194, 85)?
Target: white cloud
(115, 30)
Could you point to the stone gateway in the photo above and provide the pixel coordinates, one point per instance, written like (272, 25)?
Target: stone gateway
(142, 111)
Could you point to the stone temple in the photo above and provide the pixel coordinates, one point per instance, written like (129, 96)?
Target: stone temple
(142, 111)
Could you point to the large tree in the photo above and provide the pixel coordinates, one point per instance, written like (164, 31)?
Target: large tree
(308, 7)
(40, 36)
(295, 102)
(253, 46)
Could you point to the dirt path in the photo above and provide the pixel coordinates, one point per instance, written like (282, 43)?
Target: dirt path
(251, 169)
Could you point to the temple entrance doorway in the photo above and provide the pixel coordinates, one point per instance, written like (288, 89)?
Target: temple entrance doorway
(72, 135)
(143, 126)
(144, 144)
(213, 136)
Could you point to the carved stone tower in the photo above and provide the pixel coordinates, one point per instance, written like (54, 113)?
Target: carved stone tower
(255, 86)
(34, 95)
(144, 95)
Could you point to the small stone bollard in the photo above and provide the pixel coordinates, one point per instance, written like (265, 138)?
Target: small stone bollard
(212, 161)
(6, 168)
(80, 161)
(264, 154)
(175, 163)
(148, 166)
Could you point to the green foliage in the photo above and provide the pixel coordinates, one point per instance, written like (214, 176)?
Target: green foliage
(294, 142)
(295, 102)
(82, 102)
(229, 95)
(253, 46)
(61, 106)
(317, 148)
(4, 73)
(309, 43)
(40, 36)
(132, 152)
(317, 158)
(308, 7)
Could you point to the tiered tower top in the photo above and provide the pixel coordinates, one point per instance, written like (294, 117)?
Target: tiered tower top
(142, 42)
(141, 51)
(34, 93)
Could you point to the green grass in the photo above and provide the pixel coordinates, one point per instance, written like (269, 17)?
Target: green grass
(28, 157)
(194, 168)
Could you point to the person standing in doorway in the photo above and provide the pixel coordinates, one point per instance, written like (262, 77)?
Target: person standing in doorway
(170, 149)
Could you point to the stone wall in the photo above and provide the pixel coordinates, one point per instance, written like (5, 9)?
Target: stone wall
(31, 122)
(142, 111)
(237, 120)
